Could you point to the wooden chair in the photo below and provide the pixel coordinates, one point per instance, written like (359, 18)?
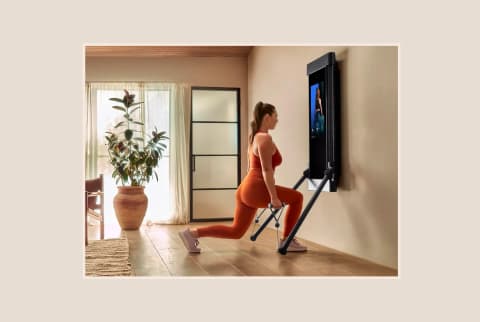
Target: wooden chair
(94, 204)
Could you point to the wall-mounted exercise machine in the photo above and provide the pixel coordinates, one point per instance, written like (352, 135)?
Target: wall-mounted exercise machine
(324, 119)
(324, 139)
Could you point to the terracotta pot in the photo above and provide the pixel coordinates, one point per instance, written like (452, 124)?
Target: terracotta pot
(130, 204)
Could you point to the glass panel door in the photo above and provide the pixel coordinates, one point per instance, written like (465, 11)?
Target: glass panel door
(215, 152)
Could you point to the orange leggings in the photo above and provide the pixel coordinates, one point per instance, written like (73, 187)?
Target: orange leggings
(251, 195)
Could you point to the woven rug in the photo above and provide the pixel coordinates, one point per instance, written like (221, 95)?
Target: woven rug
(107, 257)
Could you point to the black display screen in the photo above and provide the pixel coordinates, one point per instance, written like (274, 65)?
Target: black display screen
(318, 116)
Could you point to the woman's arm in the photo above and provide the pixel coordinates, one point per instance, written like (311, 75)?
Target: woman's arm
(265, 152)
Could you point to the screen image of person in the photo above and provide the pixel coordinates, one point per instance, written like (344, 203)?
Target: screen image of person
(318, 117)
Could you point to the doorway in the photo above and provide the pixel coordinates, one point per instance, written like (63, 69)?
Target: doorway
(214, 152)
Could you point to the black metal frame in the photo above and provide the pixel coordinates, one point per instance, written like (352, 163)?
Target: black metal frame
(192, 157)
(284, 246)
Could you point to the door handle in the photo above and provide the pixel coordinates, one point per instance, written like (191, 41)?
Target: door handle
(193, 162)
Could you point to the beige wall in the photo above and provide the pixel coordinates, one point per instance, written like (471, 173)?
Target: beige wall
(198, 71)
(361, 218)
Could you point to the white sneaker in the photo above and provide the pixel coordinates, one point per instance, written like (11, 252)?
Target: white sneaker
(189, 241)
(295, 246)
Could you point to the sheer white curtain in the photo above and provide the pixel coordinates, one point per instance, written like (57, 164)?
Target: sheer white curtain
(90, 139)
(180, 155)
(97, 120)
(179, 133)
(166, 107)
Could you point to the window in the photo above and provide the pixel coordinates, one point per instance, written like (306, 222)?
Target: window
(154, 112)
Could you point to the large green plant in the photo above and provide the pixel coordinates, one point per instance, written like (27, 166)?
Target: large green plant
(133, 159)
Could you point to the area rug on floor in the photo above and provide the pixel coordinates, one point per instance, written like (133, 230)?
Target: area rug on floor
(107, 257)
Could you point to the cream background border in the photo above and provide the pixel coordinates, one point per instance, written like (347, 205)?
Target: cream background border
(42, 87)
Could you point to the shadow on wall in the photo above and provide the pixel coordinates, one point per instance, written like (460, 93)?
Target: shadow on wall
(358, 223)
(347, 178)
(348, 201)
(368, 197)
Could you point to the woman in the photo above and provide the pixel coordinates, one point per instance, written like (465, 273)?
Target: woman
(257, 189)
(319, 122)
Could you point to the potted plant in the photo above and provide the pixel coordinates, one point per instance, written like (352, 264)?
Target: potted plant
(134, 161)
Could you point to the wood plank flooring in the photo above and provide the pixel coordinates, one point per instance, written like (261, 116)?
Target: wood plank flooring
(158, 251)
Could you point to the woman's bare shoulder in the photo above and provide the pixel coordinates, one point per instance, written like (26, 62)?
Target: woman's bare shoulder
(263, 138)
(264, 142)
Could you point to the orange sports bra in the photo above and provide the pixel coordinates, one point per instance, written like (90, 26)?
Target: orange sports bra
(255, 162)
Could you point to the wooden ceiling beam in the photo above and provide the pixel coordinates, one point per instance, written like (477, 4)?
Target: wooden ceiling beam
(167, 51)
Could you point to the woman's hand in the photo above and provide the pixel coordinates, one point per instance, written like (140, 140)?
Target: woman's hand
(276, 203)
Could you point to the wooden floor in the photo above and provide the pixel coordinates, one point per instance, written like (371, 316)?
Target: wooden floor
(158, 251)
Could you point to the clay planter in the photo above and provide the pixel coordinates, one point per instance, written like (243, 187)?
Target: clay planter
(130, 204)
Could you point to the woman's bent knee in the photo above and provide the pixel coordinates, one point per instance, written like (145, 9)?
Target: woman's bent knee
(237, 234)
(298, 196)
